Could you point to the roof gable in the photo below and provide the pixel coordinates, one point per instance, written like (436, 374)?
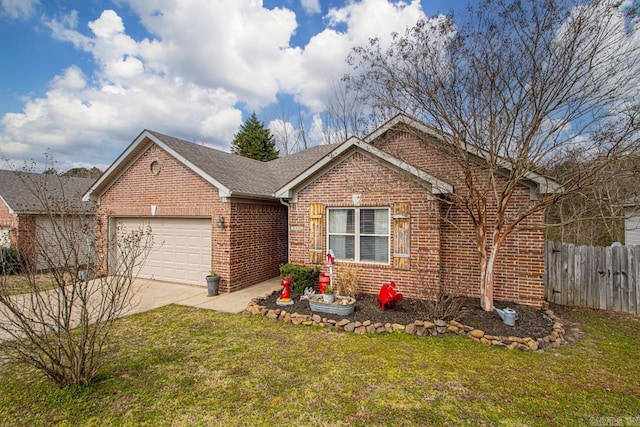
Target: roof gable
(319, 167)
(544, 185)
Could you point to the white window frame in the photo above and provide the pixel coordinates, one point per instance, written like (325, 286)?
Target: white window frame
(357, 233)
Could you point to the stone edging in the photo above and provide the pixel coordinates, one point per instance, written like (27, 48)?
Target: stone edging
(555, 339)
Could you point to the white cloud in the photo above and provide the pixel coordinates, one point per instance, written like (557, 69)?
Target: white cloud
(19, 9)
(231, 44)
(99, 115)
(202, 62)
(316, 132)
(368, 18)
(311, 7)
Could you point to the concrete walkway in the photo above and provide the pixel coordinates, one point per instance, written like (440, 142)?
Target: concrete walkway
(152, 294)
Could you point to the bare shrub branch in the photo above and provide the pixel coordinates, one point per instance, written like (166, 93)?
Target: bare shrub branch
(64, 331)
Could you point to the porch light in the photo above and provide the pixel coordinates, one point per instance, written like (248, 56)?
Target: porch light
(220, 222)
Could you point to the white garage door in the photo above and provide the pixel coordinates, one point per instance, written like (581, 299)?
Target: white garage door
(181, 248)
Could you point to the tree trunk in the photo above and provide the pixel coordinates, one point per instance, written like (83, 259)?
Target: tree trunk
(487, 265)
(488, 256)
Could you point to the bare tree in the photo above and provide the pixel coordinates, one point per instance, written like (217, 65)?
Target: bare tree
(288, 138)
(61, 324)
(595, 214)
(343, 115)
(512, 88)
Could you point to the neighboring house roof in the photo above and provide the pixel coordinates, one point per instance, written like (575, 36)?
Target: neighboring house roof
(233, 175)
(22, 192)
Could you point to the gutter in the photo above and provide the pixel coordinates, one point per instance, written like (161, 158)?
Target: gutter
(286, 203)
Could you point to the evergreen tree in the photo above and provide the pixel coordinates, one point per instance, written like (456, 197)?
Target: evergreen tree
(94, 172)
(254, 141)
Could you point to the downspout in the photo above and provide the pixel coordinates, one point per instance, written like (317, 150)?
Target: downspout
(286, 203)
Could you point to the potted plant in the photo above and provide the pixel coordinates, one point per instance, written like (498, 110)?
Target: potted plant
(213, 281)
(328, 295)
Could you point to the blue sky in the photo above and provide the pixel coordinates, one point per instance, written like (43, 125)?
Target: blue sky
(80, 79)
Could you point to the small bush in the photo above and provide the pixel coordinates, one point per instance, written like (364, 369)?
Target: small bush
(302, 276)
(447, 305)
(11, 262)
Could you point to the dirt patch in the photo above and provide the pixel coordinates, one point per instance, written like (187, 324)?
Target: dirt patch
(531, 322)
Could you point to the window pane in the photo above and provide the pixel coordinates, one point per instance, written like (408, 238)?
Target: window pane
(374, 248)
(374, 221)
(341, 221)
(343, 247)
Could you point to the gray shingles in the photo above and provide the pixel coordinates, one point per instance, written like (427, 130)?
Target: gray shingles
(20, 190)
(240, 174)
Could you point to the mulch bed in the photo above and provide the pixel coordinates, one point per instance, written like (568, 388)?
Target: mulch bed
(530, 322)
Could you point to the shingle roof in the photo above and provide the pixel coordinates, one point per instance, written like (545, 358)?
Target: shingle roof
(23, 191)
(284, 169)
(240, 174)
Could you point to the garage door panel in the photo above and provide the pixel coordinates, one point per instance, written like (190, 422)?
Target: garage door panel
(181, 251)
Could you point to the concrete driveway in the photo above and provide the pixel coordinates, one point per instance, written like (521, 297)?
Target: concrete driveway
(152, 294)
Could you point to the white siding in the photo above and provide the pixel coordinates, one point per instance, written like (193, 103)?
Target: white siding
(57, 238)
(632, 230)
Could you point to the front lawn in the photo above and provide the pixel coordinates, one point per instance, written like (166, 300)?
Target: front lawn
(184, 366)
(13, 284)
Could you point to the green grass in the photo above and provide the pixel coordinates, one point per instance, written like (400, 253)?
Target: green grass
(184, 366)
(13, 284)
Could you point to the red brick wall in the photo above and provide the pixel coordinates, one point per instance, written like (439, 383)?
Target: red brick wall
(178, 191)
(8, 220)
(379, 187)
(26, 234)
(520, 266)
(259, 242)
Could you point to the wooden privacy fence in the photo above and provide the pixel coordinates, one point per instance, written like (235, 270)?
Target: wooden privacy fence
(607, 278)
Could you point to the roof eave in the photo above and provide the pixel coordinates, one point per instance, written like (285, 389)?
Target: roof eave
(135, 149)
(437, 186)
(11, 211)
(544, 185)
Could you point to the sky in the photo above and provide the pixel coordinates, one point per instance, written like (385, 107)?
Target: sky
(80, 79)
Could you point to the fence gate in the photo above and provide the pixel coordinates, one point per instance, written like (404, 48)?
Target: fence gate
(606, 278)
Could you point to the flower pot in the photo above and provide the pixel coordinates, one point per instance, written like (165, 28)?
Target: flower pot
(213, 282)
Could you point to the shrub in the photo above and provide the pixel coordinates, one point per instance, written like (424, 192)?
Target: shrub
(447, 304)
(11, 262)
(347, 280)
(301, 275)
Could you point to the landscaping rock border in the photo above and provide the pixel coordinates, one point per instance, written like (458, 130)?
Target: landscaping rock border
(555, 339)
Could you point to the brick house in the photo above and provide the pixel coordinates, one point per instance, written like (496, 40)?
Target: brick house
(25, 219)
(377, 203)
(208, 210)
